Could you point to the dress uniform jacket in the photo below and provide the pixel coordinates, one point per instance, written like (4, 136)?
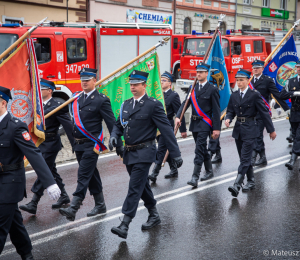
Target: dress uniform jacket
(266, 86)
(93, 111)
(143, 121)
(249, 106)
(61, 117)
(208, 99)
(13, 147)
(293, 85)
(172, 103)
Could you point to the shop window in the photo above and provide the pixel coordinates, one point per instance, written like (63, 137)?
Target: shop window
(43, 50)
(175, 43)
(236, 48)
(258, 46)
(187, 25)
(76, 50)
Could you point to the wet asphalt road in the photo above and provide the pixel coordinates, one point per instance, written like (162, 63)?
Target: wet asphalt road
(202, 223)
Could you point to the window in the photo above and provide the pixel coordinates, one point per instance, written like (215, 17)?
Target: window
(258, 46)
(247, 2)
(225, 47)
(43, 50)
(6, 40)
(76, 50)
(225, 6)
(187, 25)
(283, 4)
(206, 2)
(196, 46)
(7, 19)
(223, 28)
(266, 3)
(236, 48)
(175, 43)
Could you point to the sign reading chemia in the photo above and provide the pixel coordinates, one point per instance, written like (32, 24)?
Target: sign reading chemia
(137, 16)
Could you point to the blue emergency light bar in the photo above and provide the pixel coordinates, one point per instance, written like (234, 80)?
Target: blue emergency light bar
(9, 25)
(201, 33)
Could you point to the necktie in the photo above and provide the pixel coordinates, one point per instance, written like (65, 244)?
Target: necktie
(200, 87)
(242, 95)
(135, 102)
(85, 97)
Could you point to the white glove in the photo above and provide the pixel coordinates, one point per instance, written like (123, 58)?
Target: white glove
(296, 93)
(272, 103)
(278, 111)
(54, 192)
(288, 112)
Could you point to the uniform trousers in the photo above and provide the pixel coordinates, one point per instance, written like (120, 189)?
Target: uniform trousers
(201, 153)
(245, 149)
(139, 188)
(161, 150)
(88, 174)
(214, 145)
(50, 158)
(259, 141)
(11, 222)
(296, 143)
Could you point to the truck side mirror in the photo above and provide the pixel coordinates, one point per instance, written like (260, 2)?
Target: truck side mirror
(180, 49)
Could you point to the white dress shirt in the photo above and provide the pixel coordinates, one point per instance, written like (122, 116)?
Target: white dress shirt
(1, 117)
(202, 84)
(244, 92)
(137, 100)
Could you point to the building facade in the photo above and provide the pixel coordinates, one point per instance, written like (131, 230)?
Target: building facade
(266, 14)
(132, 11)
(203, 15)
(32, 11)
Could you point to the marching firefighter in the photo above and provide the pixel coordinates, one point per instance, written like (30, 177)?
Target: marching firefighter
(205, 120)
(15, 143)
(51, 146)
(89, 110)
(172, 103)
(292, 91)
(139, 119)
(245, 104)
(265, 85)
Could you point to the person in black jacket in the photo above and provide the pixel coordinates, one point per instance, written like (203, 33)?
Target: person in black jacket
(15, 143)
(89, 110)
(265, 85)
(139, 119)
(292, 91)
(246, 104)
(172, 103)
(205, 120)
(51, 146)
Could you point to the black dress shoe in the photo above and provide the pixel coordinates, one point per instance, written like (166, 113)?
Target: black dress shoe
(27, 257)
(31, 207)
(70, 212)
(153, 219)
(291, 162)
(262, 159)
(236, 186)
(153, 176)
(217, 158)
(195, 177)
(63, 199)
(208, 171)
(122, 229)
(100, 206)
(174, 171)
(250, 185)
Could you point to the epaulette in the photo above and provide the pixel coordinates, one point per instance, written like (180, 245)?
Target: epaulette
(152, 99)
(15, 120)
(127, 100)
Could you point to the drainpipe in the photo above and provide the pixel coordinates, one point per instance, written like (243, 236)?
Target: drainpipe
(174, 16)
(235, 15)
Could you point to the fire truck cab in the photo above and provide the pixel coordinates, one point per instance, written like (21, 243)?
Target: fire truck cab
(239, 52)
(63, 49)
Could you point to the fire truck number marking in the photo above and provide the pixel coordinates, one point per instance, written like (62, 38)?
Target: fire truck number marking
(194, 62)
(74, 68)
(236, 60)
(59, 56)
(251, 59)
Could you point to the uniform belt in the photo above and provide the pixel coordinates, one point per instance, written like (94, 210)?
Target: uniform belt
(50, 134)
(82, 140)
(139, 146)
(11, 167)
(246, 119)
(197, 117)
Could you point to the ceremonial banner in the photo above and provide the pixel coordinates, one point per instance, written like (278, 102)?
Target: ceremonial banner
(118, 89)
(218, 73)
(19, 73)
(282, 66)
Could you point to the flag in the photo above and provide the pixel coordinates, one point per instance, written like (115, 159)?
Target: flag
(218, 73)
(19, 73)
(118, 89)
(282, 66)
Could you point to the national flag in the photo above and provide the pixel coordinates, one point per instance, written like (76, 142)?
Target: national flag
(282, 66)
(218, 73)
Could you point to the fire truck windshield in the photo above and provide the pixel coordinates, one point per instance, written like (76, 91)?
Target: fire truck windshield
(198, 46)
(7, 39)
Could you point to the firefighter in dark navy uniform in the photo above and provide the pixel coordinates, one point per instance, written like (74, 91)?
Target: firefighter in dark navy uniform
(265, 85)
(205, 120)
(15, 143)
(51, 146)
(93, 108)
(245, 104)
(139, 119)
(292, 91)
(172, 103)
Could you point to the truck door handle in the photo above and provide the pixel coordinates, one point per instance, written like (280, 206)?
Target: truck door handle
(51, 76)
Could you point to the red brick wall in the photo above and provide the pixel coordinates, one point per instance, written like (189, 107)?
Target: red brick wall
(152, 3)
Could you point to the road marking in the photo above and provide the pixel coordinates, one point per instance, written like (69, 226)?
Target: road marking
(63, 233)
(114, 154)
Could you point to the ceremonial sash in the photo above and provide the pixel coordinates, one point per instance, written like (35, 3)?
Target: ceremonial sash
(199, 111)
(99, 146)
(265, 101)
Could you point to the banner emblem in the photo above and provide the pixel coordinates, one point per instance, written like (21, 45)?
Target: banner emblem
(285, 72)
(26, 136)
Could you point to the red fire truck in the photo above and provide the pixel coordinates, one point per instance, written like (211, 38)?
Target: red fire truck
(239, 52)
(63, 49)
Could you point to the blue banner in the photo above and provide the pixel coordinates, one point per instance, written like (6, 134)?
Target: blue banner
(282, 66)
(218, 73)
